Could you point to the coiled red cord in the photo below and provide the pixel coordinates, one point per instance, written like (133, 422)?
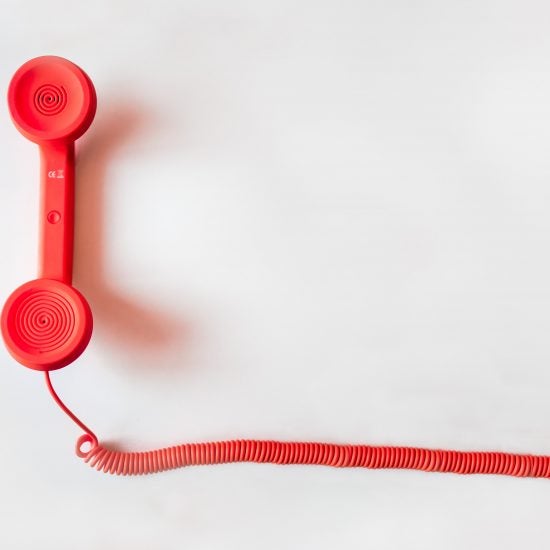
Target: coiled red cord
(323, 454)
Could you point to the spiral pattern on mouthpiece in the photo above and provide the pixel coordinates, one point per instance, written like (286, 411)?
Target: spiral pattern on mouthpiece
(44, 321)
(50, 99)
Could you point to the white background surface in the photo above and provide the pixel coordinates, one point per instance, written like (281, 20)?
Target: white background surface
(296, 220)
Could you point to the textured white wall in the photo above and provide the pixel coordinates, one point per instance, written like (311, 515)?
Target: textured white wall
(299, 220)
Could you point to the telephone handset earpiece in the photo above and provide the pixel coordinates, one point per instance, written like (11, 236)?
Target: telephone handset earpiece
(46, 323)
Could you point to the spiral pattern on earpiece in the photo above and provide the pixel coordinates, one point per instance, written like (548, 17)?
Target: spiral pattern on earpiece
(50, 99)
(44, 321)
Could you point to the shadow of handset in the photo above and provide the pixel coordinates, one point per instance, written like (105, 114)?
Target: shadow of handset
(124, 320)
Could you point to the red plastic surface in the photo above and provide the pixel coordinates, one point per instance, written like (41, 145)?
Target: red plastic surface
(46, 324)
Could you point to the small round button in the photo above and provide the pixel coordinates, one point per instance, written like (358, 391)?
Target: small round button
(54, 216)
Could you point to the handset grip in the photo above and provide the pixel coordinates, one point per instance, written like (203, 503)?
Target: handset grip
(46, 323)
(56, 210)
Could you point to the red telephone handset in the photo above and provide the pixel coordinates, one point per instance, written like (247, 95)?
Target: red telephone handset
(47, 323)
